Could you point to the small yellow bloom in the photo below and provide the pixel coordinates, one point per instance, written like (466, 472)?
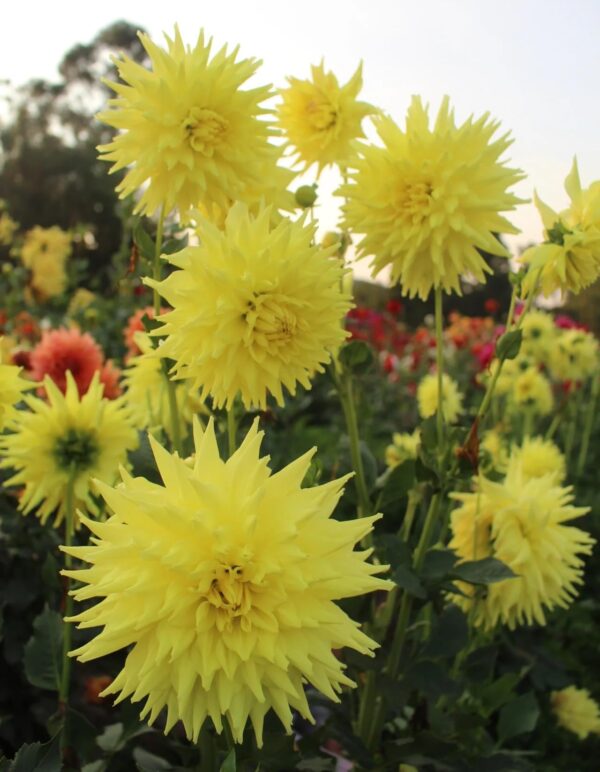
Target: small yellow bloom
(427, 397)
(45, 252)
(493, 450)
(8, 228)
(12, 387)
(80, 300)
(190, 134)
(569, 258)
(524, 523)
(532, 391)
(88, 437)
(576, 711)
(430, 198)
(321, 119)
(404, 446)
(222, 583)
(256, 307)
(539, 334)
(574, 356)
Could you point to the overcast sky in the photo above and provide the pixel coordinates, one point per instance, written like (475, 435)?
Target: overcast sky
(533, 64)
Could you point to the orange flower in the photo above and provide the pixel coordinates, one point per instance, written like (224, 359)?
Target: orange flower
(109, 378)
(62, 350)
(134, 325)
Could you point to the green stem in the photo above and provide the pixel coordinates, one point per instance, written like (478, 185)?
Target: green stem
(207, 750)
(346, 394)
(231, 430)
(588, 424)
(571, 429)
(439, 358)
(65, 676)
(157, 265)
(553, 426)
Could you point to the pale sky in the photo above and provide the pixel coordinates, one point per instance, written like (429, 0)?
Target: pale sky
(533, 64)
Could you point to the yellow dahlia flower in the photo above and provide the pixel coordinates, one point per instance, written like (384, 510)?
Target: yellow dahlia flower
(532, 391)
(430, 198)
(522, 522)
(511, 369)
(574, 356)
(493, 449)
(45, 244)
(256, 307)
(146, 392)
(569, 258)
(427, 397)
(12, 387)
(538, 457)
(539, 334)
(403, 447)
(322, 119)
(8, 228)
(576, 711)
(222, 580)
(189, 132)
(88, 437)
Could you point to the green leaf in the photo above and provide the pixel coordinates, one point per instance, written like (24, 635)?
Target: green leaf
(112, 738)
(509, 344)
(143, 241)
(406, 579)
(449, 635)
(43, 651)
(397, 483)
(148, 762)
(229, 765)
(438, 564)
(485, 571)
(37, 757)
(518, 716)
(356, 357)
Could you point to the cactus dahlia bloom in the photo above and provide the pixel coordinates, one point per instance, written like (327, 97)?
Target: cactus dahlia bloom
(322, 119)
(538, 457)
(569, 258)
(575, 356)
(430, 198)
(428, 397)
(256, 307)
(524, 523)
(576, 711)
(189, 132)
(404, 447)
(12, 387)
(539, 335)
(222, 580)
(532, 391)
(88, 437)
(66, 350)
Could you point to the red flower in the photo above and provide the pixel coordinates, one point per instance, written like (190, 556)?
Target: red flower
(135, 324)
(62, 350)
(394, 307)
(492, 306)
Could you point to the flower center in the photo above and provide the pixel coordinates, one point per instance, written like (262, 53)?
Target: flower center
(321, 115)
(205, 130)
(76, 449)
(413, 200)
(230, 590)
(270, 324)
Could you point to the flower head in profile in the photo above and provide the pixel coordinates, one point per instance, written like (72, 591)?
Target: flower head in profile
(66, 435)
(321, 119)
(12, 387)
(147, 393)
(576, 710)
(222, 580)
(190, 133)
(428, 397)
(256, 307)
(430, 198)
(575, 356)
(404, 447)
(538, 457)
(66, 350)
(569, 257)
(525, 523)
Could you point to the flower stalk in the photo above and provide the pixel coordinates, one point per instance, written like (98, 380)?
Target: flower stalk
(65, 673)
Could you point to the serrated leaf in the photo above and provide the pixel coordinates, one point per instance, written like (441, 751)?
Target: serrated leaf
(449, 635)
(437, 564)
(407, 580)
(43, 651)
(356, 357)
(37, 757)
(148, 762)
(485, 571)
(518, 716)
